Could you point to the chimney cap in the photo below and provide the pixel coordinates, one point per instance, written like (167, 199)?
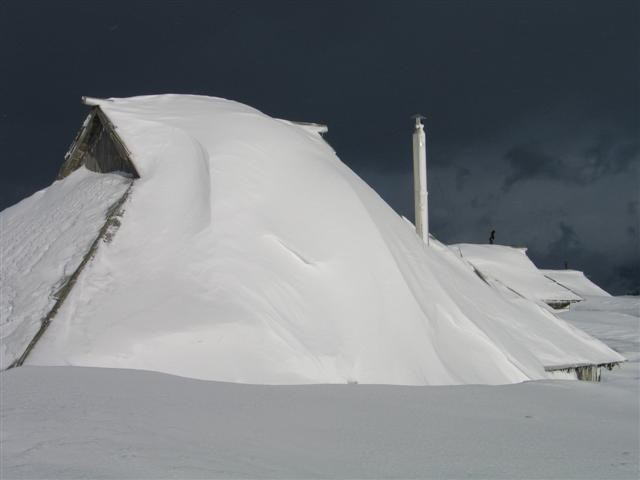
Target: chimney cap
(418, 118)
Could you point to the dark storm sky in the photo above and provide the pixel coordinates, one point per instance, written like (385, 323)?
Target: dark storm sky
(532, 106)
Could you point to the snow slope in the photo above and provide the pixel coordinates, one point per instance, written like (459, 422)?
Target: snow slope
(42, 241)
(575, 281)
(249, 253)
(511, 267)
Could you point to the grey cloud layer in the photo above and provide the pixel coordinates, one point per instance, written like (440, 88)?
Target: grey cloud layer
(605, 157)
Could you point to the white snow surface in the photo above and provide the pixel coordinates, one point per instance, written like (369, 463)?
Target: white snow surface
(511, 267)
(248, 252)
(69, 422)
(42, 241)
(577, 282)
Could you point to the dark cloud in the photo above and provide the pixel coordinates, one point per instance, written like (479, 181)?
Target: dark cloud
(527, 78)
(626, 278)
(556, 256)
(486, 223)
(528, 162)
(605, 157)
(567, 242)
(632, 232)
(462, 177)
(484, 200)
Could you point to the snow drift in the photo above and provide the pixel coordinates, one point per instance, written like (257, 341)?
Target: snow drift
(248, 252)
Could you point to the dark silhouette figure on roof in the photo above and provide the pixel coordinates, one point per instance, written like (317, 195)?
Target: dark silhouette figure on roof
(492, 237)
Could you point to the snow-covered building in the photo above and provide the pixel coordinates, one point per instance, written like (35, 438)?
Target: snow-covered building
(224, 244)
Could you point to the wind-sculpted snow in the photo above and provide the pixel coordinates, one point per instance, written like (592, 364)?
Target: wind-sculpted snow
(249, 253)
(42, 241)
(510, 322)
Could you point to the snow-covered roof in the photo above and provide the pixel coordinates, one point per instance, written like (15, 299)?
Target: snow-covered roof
(575, 281)
(512, 268)
(249, 252)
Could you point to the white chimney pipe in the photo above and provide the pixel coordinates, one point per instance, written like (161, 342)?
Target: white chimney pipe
(420, 180)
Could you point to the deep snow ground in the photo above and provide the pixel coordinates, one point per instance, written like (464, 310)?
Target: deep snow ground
(64, 422)
(615, 321)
